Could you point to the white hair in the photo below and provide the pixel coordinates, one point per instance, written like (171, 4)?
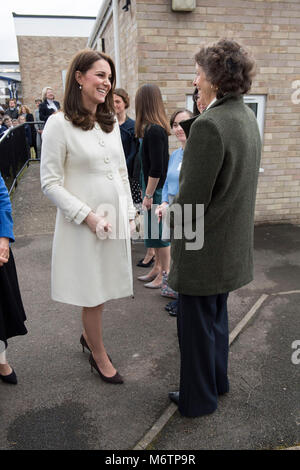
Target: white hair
(44, 92)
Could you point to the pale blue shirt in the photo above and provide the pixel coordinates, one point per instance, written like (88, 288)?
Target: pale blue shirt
(171, 186)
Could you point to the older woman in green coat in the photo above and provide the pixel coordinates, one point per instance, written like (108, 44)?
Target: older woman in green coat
(219, 174)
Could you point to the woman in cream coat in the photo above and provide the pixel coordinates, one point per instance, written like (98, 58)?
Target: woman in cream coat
(83, 172)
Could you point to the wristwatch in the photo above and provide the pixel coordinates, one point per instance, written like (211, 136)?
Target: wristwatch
(149, 196)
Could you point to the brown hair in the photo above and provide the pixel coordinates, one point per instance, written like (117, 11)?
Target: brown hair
(73, 106)
(124, 95)
(149, 109)
(227, 66)
(178, 111)
(26, 107)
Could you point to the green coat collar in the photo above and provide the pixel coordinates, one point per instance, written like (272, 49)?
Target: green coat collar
(186, 125)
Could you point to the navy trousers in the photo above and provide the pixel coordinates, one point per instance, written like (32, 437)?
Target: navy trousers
(202, 325)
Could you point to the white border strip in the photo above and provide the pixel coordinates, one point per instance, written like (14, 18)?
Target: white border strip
(241, 325)
(156, 428)
(288, 292)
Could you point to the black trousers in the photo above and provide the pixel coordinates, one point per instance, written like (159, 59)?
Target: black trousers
(202, 324)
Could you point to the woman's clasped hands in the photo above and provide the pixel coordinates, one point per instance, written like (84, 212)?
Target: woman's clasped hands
(99, 225)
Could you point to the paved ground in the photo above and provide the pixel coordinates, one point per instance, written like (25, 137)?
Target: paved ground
(59, 404)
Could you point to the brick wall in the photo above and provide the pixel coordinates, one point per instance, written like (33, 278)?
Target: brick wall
(165, 46)
(167, 42)
(42, 60)
(128, 51)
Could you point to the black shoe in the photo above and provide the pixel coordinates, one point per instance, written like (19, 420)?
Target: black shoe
(85, 345)
(174, 396)
(173, 312)
(171, 305)
(115, 379)
(145, 265)
(9, 379)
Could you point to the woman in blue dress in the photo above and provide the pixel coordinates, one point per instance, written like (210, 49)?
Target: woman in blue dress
(12, 315)
(171, 187)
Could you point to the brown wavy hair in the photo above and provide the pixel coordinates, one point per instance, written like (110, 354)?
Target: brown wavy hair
(26, 107)
(73, 106)
(149, 109)
(227, 66)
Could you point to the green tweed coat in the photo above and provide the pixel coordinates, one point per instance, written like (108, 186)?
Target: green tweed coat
(219, 170)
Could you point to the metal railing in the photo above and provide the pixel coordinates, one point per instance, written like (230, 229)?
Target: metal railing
(15, 154)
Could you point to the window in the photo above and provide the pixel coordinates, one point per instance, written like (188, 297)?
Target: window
(189, 102)
(257, 103)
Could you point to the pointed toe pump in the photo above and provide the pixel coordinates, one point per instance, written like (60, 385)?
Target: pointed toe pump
(115, 379)
(9, 379)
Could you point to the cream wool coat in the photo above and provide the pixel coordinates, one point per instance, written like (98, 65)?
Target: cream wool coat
(80, 171)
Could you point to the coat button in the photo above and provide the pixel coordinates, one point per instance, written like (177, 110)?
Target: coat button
(102, 143)
(110, 176)
(106, 159)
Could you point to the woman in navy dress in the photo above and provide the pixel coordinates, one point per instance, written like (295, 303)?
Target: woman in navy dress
(131, 146)
(12, 315)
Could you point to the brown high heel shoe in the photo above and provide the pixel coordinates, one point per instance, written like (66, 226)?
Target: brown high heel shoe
(85, 345)
(115, 379)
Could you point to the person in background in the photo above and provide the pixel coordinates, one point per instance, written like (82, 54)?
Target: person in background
(12, 314)
(15, 122)
(12, 110)
(131, 146)
(200, 102)
(48, 105)
(25, 111)
(170, 189)
(38, 127)
(22, 120)
(3, 128)
(218, 176)
(196, 111)
(129, 141)
(153, 128)
(7, 121)
(84, 173)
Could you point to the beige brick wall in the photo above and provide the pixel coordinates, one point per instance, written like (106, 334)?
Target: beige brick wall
(42, 60)
(128, 51)
(166, 44)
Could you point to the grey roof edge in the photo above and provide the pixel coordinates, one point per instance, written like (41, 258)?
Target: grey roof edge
(16, 15)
